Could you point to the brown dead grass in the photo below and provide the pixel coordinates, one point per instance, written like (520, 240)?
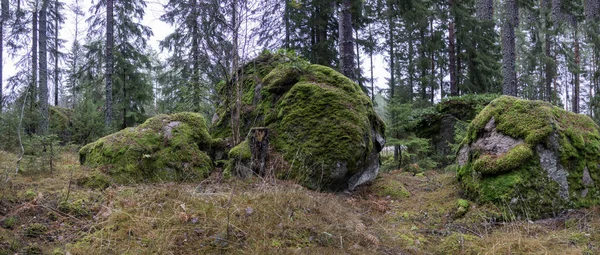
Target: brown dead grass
(266, 216)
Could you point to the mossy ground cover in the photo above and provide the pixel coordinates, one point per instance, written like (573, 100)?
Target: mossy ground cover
(516, 180)
(256, 216)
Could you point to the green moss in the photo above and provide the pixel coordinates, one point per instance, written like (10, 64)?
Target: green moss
(491, 165)
(35, 230)
(94, 180)
(388, 186)
(10, 222)
(164, 148)
(515, 181)
(458, 243)
(322, 123)
(241, 151)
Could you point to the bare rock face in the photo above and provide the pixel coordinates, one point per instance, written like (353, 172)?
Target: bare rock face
(530, 158)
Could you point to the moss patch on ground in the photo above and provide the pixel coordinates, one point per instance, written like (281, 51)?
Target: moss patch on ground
(261, 216)
(164, 148)
(320, 121)
(516, 180)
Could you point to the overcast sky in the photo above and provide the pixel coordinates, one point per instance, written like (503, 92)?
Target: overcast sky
(160, 29)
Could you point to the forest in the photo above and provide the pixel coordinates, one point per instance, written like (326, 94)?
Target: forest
(433, 126)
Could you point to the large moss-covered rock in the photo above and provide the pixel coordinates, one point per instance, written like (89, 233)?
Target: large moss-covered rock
(530, 158)
(322, 125)
(164, 148)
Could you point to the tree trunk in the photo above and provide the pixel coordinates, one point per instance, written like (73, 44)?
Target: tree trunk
(452, 52)
(109, 63)
(346, 40)
(56, 70)
(509, 85)
(422, 56)
(391, 49)
(576, 71)
(43, 97)
(286, 20)
(3, 17)
(34, 58)
(195, 56)
(235, 118)
(357, 70)
(485, 9)
(259, 147)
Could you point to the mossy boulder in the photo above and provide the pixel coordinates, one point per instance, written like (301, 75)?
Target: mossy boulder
(322, 125)
(440, 123)
(530, 158)
(164, 148)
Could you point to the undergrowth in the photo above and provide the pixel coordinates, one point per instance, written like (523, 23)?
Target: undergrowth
(72, 211)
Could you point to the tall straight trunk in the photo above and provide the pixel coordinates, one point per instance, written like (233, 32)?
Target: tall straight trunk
(422, 56)
(124, 88)
(109, 63)
(286, 20)
(56, 70)
(509, 85)
(3, 17)
(357, 70)
(411, 68)
(195, 56)
(576, 72)
(485, 10)
(346, 40)
(549, 71)
(371, 66)
(34, 57)
(391, 49)
(235, 127)
(43, 97)
(452, 52)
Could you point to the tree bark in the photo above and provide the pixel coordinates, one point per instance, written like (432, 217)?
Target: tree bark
(43, 44)
(56, 70)
(235, 119)
(109, 63)
(452, 52)
(509, 85)
(576, 71)
(34, 57)
(259, 147)
(346, 40)
(3, 18)
(485, 9)
(549, 71)
(195, 55)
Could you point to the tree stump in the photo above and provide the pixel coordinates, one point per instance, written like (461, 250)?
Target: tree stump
(259, 146)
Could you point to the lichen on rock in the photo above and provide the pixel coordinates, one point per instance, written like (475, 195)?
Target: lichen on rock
(530, 158)
(164, 148)
(323, 125)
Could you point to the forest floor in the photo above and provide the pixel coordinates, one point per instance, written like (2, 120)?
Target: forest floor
(48, 212)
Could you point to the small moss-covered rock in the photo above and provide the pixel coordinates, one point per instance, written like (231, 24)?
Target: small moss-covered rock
(164, 148)
(322, 123)
(530, 158)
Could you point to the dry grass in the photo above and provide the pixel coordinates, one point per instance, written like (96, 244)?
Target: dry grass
(257, 216)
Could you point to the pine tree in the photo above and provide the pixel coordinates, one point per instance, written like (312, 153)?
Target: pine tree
(511, 21)
(346, 39)
(43, 75)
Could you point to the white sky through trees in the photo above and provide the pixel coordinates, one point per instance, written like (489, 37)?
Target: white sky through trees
(160, 29)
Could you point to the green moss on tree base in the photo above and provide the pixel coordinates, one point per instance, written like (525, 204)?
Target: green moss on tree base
(164, 148)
